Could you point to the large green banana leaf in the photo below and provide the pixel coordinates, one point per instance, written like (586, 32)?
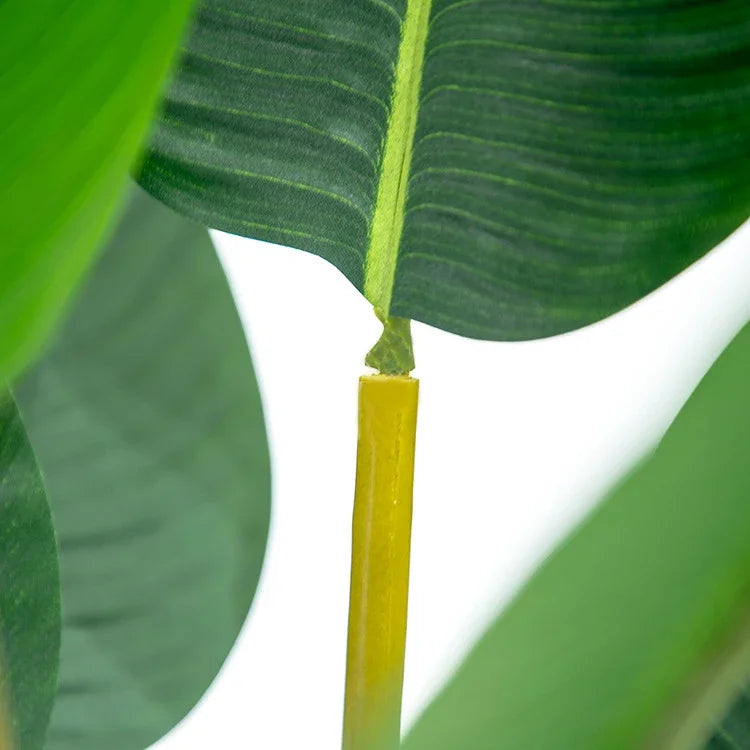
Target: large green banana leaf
(147, 422)
(29, 591)
(636, 632)
(78, 82)
(503, 169)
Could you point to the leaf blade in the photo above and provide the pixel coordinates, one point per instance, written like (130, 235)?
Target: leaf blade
(621, 633)
(147, 421)
(29, 590)
(566, 161)
(251, 121)
(585, 155)
(734, 730)
(79, 86)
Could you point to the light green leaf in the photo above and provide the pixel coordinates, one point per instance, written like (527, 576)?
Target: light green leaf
(503, 169)
(29, 591)
(79, 81)
(146, 418)
(636, 632)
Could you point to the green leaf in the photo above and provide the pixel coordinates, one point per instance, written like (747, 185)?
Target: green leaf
(29, 591)
(147, 421)
(79, 82)
(733, 732)
(636, 632)
(503, 169)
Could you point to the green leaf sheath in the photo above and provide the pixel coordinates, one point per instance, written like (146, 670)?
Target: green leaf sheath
(79, 82)
(147, 421)
(29, 591)
(503, 169)
(635, 633)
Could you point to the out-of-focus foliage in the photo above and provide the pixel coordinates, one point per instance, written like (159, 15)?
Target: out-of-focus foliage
(147, 423)
(635, 633)
(78, 83)
(733, 732)
(29, 591)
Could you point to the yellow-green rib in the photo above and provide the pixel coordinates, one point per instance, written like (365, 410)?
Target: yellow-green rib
(388, 219)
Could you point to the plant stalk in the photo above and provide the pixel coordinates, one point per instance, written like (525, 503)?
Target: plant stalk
(381, 542)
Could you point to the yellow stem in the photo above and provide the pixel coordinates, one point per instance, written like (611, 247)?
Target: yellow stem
(381, 539)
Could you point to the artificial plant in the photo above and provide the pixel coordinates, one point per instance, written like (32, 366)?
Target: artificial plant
(501, 169)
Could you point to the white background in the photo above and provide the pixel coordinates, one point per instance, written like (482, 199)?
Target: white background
(515, 443)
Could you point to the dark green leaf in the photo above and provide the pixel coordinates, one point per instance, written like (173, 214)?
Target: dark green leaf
(147, 422)
(504, 169)
(733, 732)
(29, 591)
(636, 632)
(79, 82)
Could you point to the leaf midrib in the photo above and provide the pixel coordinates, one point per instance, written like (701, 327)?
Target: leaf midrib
(388, 217)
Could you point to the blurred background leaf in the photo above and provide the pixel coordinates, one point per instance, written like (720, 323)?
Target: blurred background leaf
(79, 82)
(636, 631)
(733, 732)
(29, 591)
(147, 421)
(567, 160)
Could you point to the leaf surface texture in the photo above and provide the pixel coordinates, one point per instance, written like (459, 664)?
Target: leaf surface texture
(147, 421)
(29, 590)
(503, 169)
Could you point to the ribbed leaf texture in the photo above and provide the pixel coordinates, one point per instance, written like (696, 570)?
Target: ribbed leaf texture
(503, 169)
